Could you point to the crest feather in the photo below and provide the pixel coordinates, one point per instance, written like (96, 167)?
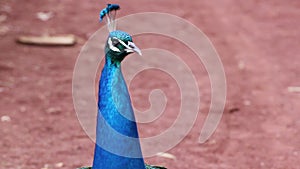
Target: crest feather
(110, 12)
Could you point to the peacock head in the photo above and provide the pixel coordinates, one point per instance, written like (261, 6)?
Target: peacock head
(119, 44)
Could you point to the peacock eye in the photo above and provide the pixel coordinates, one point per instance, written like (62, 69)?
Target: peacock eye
(115, 42)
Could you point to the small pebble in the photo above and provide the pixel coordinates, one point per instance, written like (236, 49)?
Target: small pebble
(46, 166)
(3, 18)
(4, 30)
(5, 8)
(54, 110)
(23, 109)
(5, 119)
(166, 155)
(234, 109)
(212, 142)
(241, 65)
(295, 153)
(59, 165)
(294, 89)
(44, 16)
(247, 102)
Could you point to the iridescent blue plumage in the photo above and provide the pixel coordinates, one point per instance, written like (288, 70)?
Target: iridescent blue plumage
(115, 114)
(115, 111)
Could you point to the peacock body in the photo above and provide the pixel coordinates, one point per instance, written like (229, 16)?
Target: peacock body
(114, 105)
(114, 109)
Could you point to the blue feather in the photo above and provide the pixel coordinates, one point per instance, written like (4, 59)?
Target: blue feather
(115, 113)
(113, 7)
(109, 8)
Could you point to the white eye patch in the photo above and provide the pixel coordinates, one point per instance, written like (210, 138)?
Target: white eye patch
(124, 44)
(114, 48)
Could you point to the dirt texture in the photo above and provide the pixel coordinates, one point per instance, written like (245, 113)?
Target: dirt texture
(258, 42)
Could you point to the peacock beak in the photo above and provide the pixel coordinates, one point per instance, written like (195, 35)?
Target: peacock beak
(133, 48)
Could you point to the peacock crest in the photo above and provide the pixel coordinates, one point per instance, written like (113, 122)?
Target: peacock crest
(110, 11)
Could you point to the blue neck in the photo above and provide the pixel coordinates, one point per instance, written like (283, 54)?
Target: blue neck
(115, 111)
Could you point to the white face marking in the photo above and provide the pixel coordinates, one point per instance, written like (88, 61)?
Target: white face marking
(128, 48)
(112, 47)
(124, 44)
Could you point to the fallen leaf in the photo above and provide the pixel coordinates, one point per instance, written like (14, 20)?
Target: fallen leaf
(63, 40)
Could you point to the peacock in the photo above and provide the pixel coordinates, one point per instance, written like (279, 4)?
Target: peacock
(115, 111)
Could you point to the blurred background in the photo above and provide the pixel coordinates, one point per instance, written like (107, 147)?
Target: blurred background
(258, 42)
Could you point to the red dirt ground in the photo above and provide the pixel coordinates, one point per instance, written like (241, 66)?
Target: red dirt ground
(258, 42)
